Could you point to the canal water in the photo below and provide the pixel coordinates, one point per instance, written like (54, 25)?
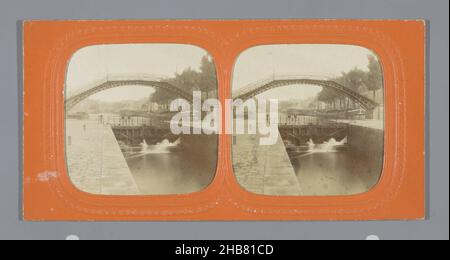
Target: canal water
(333, 168)
(166, 168)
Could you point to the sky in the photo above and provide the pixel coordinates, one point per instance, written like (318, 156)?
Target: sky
(310, 60)
(92, 64)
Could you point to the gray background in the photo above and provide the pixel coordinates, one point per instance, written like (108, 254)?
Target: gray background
(435, 11)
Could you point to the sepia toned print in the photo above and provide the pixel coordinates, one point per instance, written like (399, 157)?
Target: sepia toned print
(118, 112)
(330, 120)
(49, 46)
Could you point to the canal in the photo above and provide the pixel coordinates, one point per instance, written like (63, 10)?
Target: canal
(169, 168)
(166, 168)
(336, 168)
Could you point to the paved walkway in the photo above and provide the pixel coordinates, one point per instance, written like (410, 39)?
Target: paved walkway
(95, 162)
(375, 124)
(264, 170)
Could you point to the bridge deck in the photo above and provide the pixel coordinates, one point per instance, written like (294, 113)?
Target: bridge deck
(96, 164)
(264, 170)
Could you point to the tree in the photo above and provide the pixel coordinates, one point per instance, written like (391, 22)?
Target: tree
(354, 80)
(208, 75)
(190, 80)
(326, 95)
(374, 78)
(357, 80)
(160, 96)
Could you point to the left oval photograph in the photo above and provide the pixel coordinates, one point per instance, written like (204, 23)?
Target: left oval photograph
(132, 126)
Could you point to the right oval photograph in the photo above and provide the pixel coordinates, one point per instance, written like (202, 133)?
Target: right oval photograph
(308, 120)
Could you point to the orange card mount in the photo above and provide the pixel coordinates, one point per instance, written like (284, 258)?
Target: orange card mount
(332, 115)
